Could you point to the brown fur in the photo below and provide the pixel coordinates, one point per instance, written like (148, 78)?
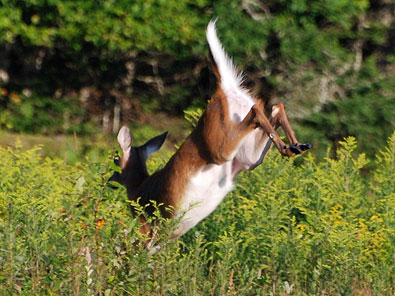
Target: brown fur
(213, 140)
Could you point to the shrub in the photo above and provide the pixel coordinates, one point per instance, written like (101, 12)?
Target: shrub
(316, 229)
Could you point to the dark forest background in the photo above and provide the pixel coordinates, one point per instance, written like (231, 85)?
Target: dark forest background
(86, 66)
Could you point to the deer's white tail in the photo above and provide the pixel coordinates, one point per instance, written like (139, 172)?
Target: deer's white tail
(230, 78)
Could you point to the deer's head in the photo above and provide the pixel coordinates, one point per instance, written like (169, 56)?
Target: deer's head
(133, 160)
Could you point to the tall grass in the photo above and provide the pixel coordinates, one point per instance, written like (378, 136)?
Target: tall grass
(315, 229)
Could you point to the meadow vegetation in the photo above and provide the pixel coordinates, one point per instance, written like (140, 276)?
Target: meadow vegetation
(319, 228)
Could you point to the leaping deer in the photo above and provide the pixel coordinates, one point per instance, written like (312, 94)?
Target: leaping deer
(232, 135)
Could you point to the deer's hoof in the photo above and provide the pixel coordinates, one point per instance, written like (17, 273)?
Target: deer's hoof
(295, 149)
(305, 146)
(300, 148)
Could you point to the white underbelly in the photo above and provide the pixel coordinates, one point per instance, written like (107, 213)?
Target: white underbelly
(204, 193)
(209, 186)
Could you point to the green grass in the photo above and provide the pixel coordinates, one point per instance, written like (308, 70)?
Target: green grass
(75, 147)
(70, 148)
(319, 228)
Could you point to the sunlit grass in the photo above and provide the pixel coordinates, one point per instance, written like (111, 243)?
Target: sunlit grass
(316, 229)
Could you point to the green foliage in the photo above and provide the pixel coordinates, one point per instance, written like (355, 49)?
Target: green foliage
(329, 61)
(367, 114)
(44, 115)
(193, 116)
(301, 28)
(316, 229)
(114, 25)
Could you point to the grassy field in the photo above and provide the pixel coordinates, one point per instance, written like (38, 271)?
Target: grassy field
(319, 228)
(73, 147)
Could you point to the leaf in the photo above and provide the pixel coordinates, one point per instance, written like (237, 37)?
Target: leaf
(114, 167)
(80, 184)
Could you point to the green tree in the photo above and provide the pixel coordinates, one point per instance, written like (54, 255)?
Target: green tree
(319, 57)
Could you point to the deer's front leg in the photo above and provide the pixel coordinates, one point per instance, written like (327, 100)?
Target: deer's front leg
(257, 119)
(279, 118)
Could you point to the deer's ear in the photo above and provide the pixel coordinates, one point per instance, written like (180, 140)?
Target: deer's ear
(124, 138)
(154, 144)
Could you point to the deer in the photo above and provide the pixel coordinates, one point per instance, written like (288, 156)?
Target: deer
(233, 134)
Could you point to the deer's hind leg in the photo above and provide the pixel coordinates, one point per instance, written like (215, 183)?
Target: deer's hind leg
(279, 119)
(222, 136)
(256, 119)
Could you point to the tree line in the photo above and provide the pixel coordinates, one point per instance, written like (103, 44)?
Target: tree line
(65, 64)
